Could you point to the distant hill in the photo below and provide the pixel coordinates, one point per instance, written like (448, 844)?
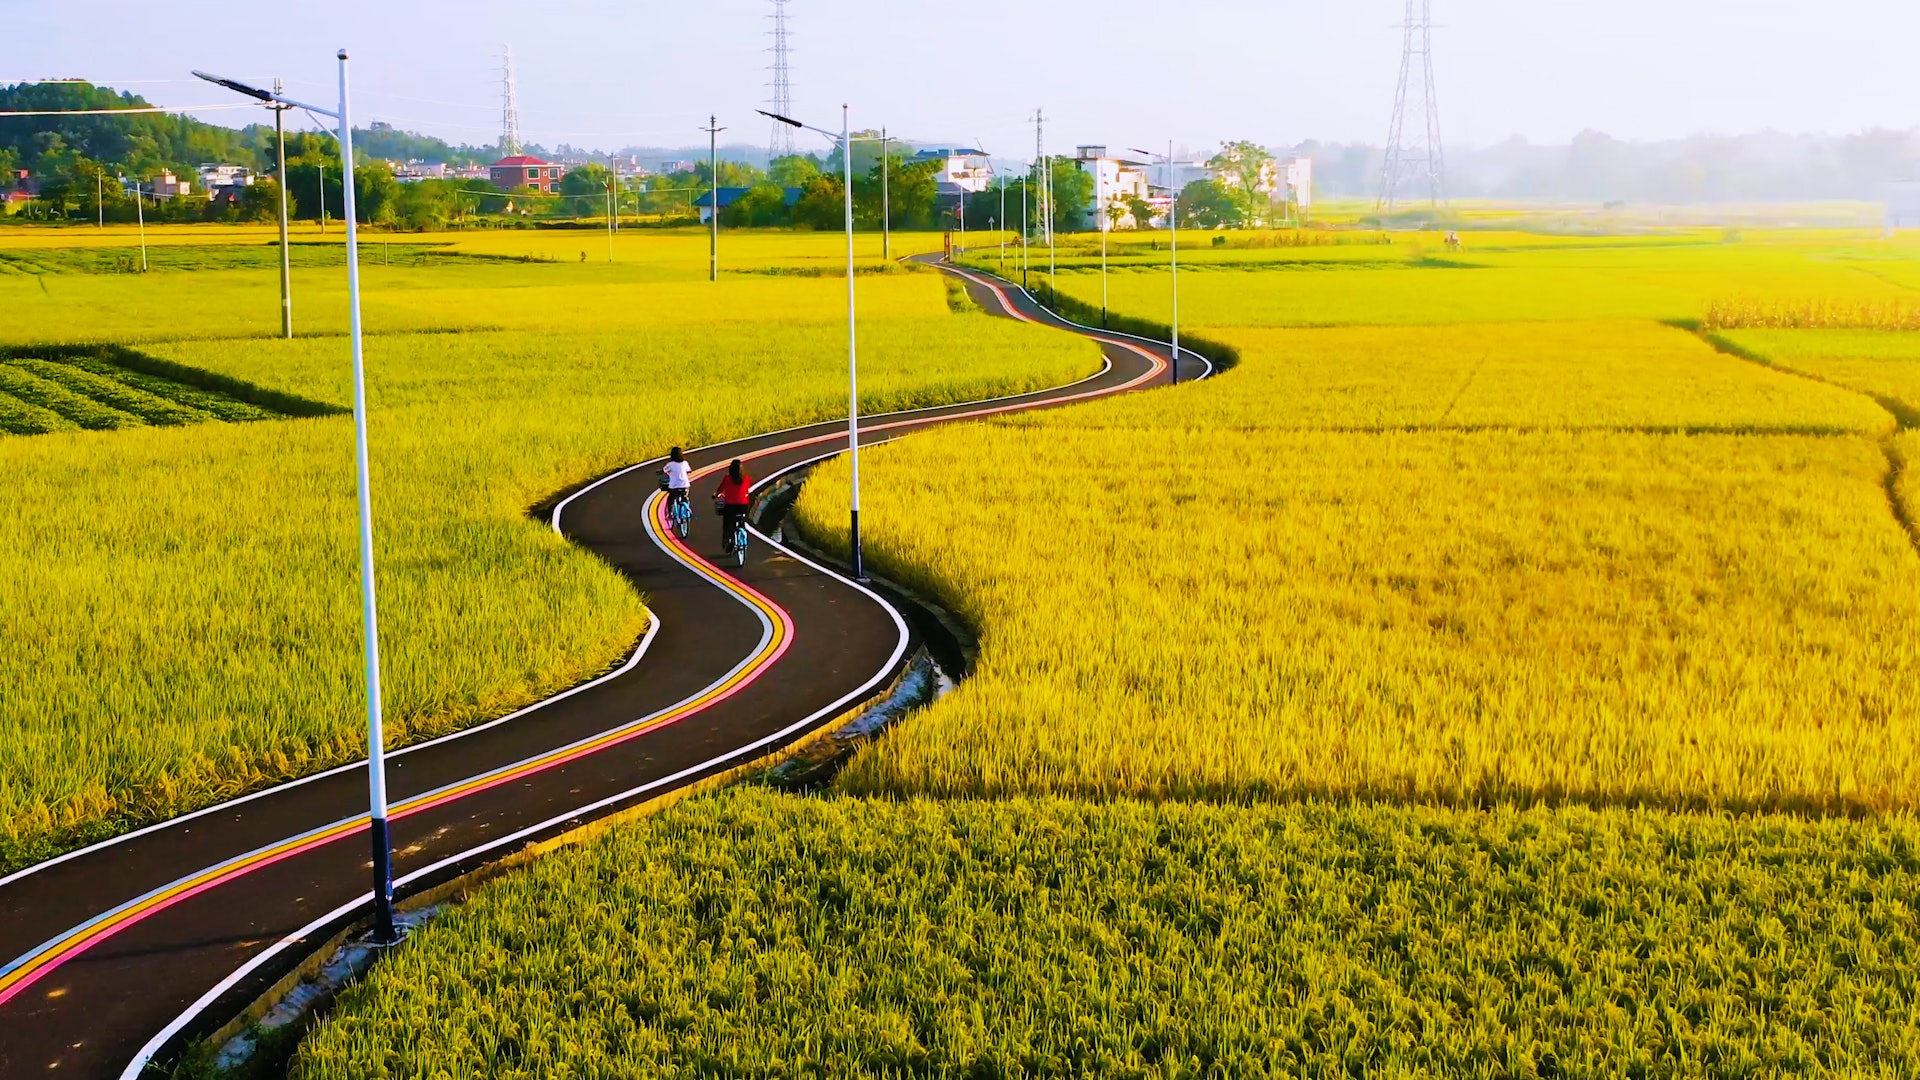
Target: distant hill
(142, 144)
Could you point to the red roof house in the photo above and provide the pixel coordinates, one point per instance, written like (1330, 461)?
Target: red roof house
(525, 170)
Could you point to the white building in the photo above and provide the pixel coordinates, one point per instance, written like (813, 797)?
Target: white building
(1116, 183)
(1296, 186)
(961, 169)
(164, 186)
(415, 170)
(219, 176)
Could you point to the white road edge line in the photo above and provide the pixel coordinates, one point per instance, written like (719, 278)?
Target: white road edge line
(639, 651)
(153, 1045)
(977, 276)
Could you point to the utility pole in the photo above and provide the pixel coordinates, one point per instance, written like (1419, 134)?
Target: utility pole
(1106, 222)
(280, 181)
(886, 204)
(1040, 163)
(609, 221)
(140, 209)
(713, 130)
(1026, 224)
(323, 199)
(100, 195)
(1003, 221)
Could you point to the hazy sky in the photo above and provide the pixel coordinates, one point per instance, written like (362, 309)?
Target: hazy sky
(1123, 72)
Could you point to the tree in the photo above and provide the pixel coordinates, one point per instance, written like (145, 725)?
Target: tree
(1205, 205)
(260, 200)
(1072, 194)
(1244, 172)
(761, 206)
(793, 170)
(1141, 210)
(822, 204)
(589, 184)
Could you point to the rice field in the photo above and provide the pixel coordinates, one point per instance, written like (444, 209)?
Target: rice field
(753, 934)
(1505, 670)
(182, 625)
(1601, 561)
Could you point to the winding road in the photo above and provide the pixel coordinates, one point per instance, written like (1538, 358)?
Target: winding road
(120, 952)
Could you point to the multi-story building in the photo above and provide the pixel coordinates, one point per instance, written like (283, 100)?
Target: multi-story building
(525, 170)
(960, 169)
(218, 176)
(1117, 182)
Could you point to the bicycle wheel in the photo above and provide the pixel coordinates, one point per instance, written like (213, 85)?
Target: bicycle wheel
(740, 548)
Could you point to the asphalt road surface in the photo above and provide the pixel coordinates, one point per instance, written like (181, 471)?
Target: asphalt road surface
(123, 951)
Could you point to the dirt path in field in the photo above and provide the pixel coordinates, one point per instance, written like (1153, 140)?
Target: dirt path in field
(129, 949)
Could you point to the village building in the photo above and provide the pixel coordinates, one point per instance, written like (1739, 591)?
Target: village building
(525, 170)
(1117, 183)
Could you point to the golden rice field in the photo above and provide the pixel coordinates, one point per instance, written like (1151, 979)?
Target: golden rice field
(180, 617)
(1421, 697)
(752, 934)
(1596, 560)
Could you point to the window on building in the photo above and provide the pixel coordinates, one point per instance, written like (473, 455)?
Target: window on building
(533, 174)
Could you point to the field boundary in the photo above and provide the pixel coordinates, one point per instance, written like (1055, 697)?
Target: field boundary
(1905, 418)
(277, 401)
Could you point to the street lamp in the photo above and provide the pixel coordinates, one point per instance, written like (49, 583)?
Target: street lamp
(845, 141)
(1173, 245)
(383, 929)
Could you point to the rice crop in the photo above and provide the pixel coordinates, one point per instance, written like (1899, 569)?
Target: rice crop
(1430, 285)
(757, 935)
(1813, 315)
(1457, 617)
(182, 625)
(1599, 561)
(1562, 375)
(1495, 543)
(1882, 364)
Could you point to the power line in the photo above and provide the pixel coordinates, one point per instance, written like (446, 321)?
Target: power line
(139, 109)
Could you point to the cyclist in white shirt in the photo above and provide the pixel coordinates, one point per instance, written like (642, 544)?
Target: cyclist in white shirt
(678, 476)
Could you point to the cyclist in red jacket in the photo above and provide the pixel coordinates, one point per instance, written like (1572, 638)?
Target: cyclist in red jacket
(734, 496)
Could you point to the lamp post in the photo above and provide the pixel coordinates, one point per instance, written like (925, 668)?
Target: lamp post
(1173, 244)
(280, 181)
(886, 204)
(845, 140)
(383, 928)
(1003, 221)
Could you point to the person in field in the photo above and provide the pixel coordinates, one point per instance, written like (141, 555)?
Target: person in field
(679, 477)
(733, 495)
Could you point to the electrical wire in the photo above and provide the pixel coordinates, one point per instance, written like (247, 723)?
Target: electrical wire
(123, 112)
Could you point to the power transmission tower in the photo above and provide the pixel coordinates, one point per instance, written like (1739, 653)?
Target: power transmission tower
(1410, 166)
(781, 144)
(509, 106)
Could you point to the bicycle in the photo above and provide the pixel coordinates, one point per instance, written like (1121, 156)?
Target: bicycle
(736, 540)
(679, 510)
